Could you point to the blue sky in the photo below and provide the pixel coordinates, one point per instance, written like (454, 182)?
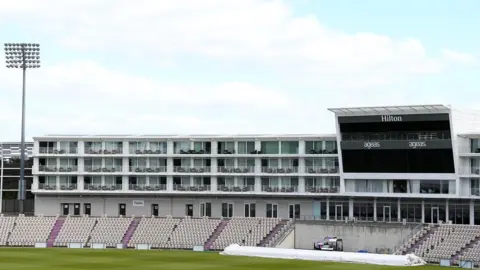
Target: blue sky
(237, 66)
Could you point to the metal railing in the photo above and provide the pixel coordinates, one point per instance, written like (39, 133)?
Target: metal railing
(396, 136)
(62, 186)
(192, 188)
(282, 189)
(237, 188)
(144, 151)
(103, 169)
(239, 169)
(198, 169)
(475, 191)
(321, 170)
(147, 187)
(316, 189)
(55, 168)
(102, 187)
(276, 170)
(56, 151)
(402, 242)
(99, 151)
(191, 152)
(151, 169)
(320, 151)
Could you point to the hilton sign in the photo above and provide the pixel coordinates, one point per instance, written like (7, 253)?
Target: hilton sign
(391, 118)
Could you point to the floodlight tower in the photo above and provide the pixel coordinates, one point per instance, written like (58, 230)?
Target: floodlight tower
(23, 56)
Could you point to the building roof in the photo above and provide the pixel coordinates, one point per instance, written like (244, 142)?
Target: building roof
(407, 109)
(185, 137)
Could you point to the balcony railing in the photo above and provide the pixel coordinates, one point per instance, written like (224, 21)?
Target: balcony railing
(286, 170)
(191, 188)
(192, 152)
(232, 188)
(284, 189)
(135, 151)
(226, 151)
(475, 191)
(151, 169)
(55, 151)
(54, 168)
(62, 186)
(236, 170)
(102, 187)
(320, 170)
(472, 170)
(321, 151)
(97, 151)
(145, 187)
(396, 135)
(311, 189)
(203, 169)
(103, 169)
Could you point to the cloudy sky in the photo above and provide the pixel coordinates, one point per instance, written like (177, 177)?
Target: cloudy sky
(234, 66)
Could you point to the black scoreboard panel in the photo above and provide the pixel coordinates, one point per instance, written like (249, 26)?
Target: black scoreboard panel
(364, 154)
(398, 161)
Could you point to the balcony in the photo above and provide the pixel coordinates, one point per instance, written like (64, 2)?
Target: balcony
(141, 169)
(199, 169)
(475, 191)
(320, 170)
(116, 151)
(54, 187)
(321, 152)
(191, 188)
(192, 152)
(229, 188)
(277, 189)
(311, 189)
(97, 187)
(103, 169)
(396, 136)
(236, 170)
(55, 168)
(279, 170)
(144, 187)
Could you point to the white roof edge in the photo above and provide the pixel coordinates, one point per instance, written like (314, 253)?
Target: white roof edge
(427, 108)
(177, 137)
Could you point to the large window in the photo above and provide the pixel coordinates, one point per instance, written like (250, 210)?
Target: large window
(475, 145)
(338, 209)
(363, 210)
(411, 210)
(459, 212)
(246, 147)
(387, 210)
(398, 161)
(271, 147)
(289, 147)
(272, 210)
(434, 186)
(476, 212)
(369, 186)
(434, 212)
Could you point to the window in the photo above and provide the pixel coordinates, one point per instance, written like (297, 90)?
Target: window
(158, 147)
(270, 147)
(226, 147)
(369, 186)
(289, 147)
(434, 186)
(294, 211)
(137, 147)
(272, 210)
(206, 209)
(181, 146)
(246, 147)
(475, 145)
(227, 210)
(114, 147)
(313, 147)
(331, 147)
(250, 210)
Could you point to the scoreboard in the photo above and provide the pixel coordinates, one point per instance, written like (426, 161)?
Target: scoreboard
(413, 143)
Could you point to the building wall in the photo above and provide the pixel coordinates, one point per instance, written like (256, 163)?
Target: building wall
(175, 206)
(355, 237)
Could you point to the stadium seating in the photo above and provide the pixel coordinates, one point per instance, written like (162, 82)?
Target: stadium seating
(245, 231)
(6, 227)
(31, 230)
(75, 230)
(154, 231)
(110, 231)
(192, 232)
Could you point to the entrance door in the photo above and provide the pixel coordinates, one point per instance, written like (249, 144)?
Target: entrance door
(189, 210)
(338, 212)
(122, 209)
(155, 210)
(434, 214)
(65, 209)
(227, 210)
(76, 209)
(387, 214)
(88, 209)
(294, 211)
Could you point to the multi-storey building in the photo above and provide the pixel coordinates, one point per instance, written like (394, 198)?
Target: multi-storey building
(384, 164)
(10, 175)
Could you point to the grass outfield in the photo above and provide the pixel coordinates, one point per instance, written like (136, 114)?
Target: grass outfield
(88, 259)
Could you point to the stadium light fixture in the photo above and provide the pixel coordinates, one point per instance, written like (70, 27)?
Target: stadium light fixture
(22, 56)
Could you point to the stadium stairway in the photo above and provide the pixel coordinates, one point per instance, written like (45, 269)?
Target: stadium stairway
(421, 240)
(130, 231)
(57, 227)
(273, 233)
(215, 234)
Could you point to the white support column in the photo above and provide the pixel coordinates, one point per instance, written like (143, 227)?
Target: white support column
(375, 209)
(328, 209)
(399, 213)
(350, 208)
(423, 211)
(213, 184)
(472, 212)
(301, 184)
(447, 218)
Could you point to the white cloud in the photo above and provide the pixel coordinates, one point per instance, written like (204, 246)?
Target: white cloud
(328, 67)
(458, 56)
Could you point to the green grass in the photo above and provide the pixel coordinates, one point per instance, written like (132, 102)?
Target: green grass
(88, 259)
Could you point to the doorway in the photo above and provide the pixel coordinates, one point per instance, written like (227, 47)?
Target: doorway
(122, 209)
(76, 209)
(155, 210)
(435, 214)
(65, 209)
(387, 214)
(189, 210)
(338, 212)
(87, 209)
